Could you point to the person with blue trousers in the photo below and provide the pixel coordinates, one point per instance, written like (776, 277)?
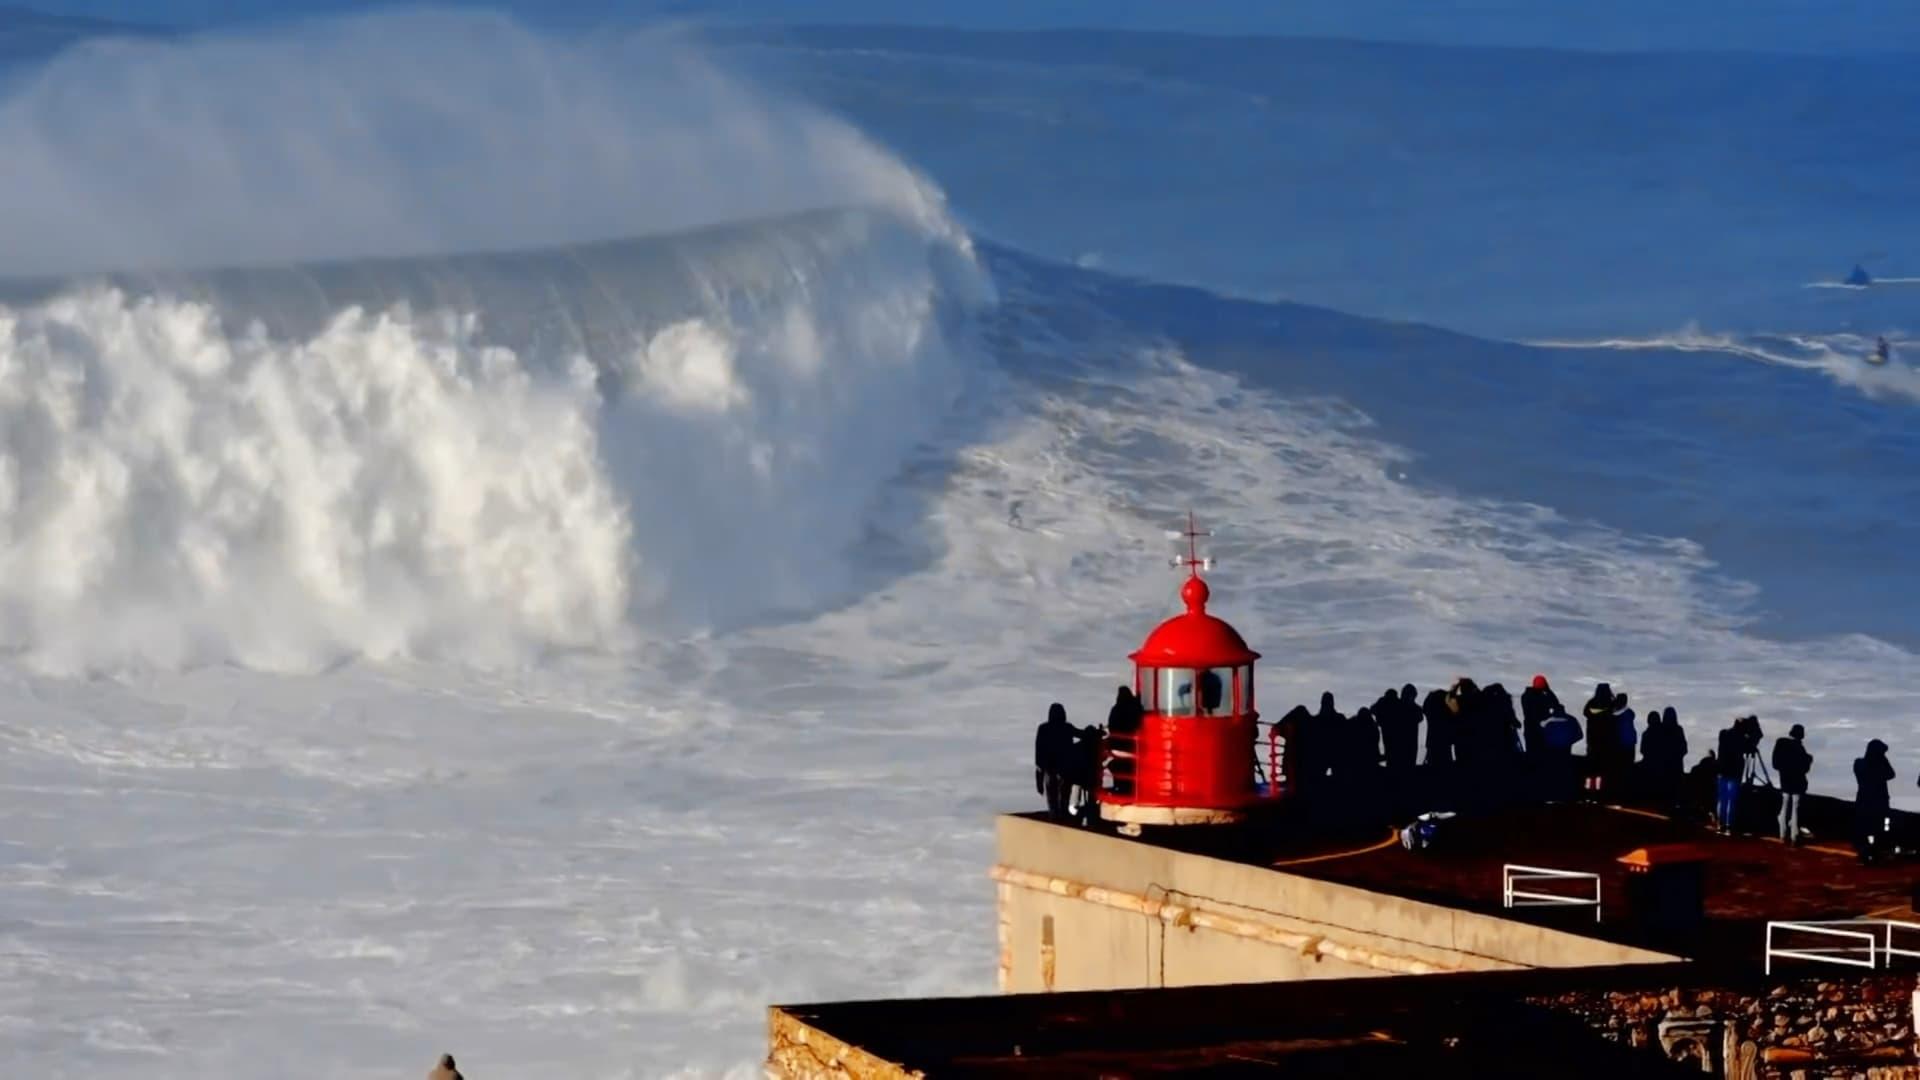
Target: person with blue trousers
(1730, 765)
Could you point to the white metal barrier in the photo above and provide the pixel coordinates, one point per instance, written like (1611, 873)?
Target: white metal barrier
(1869, 943)
(1512, 876)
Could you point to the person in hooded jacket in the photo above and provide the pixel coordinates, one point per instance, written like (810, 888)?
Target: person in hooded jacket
(1559, 773)
(1053, 744)
(445, 1070)
(1663, 758)
(1123, 729)
(1087, 764)
(1872, 772)
(1601, 728)
(1320, 752)
(1399, 718)
(1792, 762)
(1357, 775)
(1626, 738)
(1537, 702)
(1502, 723)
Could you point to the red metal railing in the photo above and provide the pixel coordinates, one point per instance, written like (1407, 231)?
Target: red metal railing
(1119, 777)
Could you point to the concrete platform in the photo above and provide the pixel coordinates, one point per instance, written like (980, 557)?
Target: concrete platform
(1748, 880)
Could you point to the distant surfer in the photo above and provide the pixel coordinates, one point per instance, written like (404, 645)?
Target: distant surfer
(1859, 278)
(1882, 352)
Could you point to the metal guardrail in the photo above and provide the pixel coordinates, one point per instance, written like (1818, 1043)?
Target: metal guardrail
(1872, 937)
(1513, 875)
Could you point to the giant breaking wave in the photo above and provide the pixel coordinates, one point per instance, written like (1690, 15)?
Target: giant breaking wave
(469, 457)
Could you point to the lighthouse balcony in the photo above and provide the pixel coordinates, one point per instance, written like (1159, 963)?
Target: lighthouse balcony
(1141, 814)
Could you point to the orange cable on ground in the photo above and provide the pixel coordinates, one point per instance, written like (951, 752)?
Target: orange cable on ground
(1393, 837)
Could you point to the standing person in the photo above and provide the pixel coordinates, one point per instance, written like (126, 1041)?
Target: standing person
(1557, 737)
(1290, 727)
(1440, 730)
(1324, 732)
(1872, 772)
(1358, 772)
(1792, 762)
(1123, 729)
(1663, 758)
(1399, 731)
(1601, 728)
(1625, 739)
(1086, 760)
(1469, 740)
(1730, 768)
(1052, 750)
(1537, 702)
(1676, 757)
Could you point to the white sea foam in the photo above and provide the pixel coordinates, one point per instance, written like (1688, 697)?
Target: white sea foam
(402, 133)
(1841, 356)
(171, 493)
(180, 487)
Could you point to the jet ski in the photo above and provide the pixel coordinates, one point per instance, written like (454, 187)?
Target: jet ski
(1859, 277)
(1882, 352)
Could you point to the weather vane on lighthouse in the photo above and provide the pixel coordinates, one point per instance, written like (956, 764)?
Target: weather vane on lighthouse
(1191, 560)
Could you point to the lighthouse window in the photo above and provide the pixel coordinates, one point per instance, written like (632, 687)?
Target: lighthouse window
(1149, 689)
(1246, 687)
(1176, 691)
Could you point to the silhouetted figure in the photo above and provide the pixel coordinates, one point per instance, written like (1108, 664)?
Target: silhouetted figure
(1124, 717)
(1792, 762)
(1320, 750)
(1053, 744)
(1502, 724)
(1537, 702)
(1559, 773)
(1872, 772)
(1399, 717)
(1499, 778)
(1357, 776)
(1730, 770)
(1626, 738)
(1463, 705)
(1699, 789)
(1663, 757)
(1083, 773)
(1601, 728)
(1123, 728)
(1440, 730)
(1471, 745)
(445, 1070)
(1213, 695)
(1292, 728)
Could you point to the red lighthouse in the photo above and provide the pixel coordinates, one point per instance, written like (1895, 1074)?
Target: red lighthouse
(1192, 760)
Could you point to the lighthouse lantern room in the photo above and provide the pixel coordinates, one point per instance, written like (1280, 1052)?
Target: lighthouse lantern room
(1191, 761)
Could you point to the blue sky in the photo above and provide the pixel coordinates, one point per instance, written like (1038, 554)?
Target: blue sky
(1784, 25)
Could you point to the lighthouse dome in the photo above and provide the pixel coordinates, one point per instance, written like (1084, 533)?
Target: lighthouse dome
(1194, 638)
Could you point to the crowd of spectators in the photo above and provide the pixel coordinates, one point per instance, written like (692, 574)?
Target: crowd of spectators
(1483, 751)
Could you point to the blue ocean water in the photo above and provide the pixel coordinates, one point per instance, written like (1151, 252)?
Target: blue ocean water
(1624, 201)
